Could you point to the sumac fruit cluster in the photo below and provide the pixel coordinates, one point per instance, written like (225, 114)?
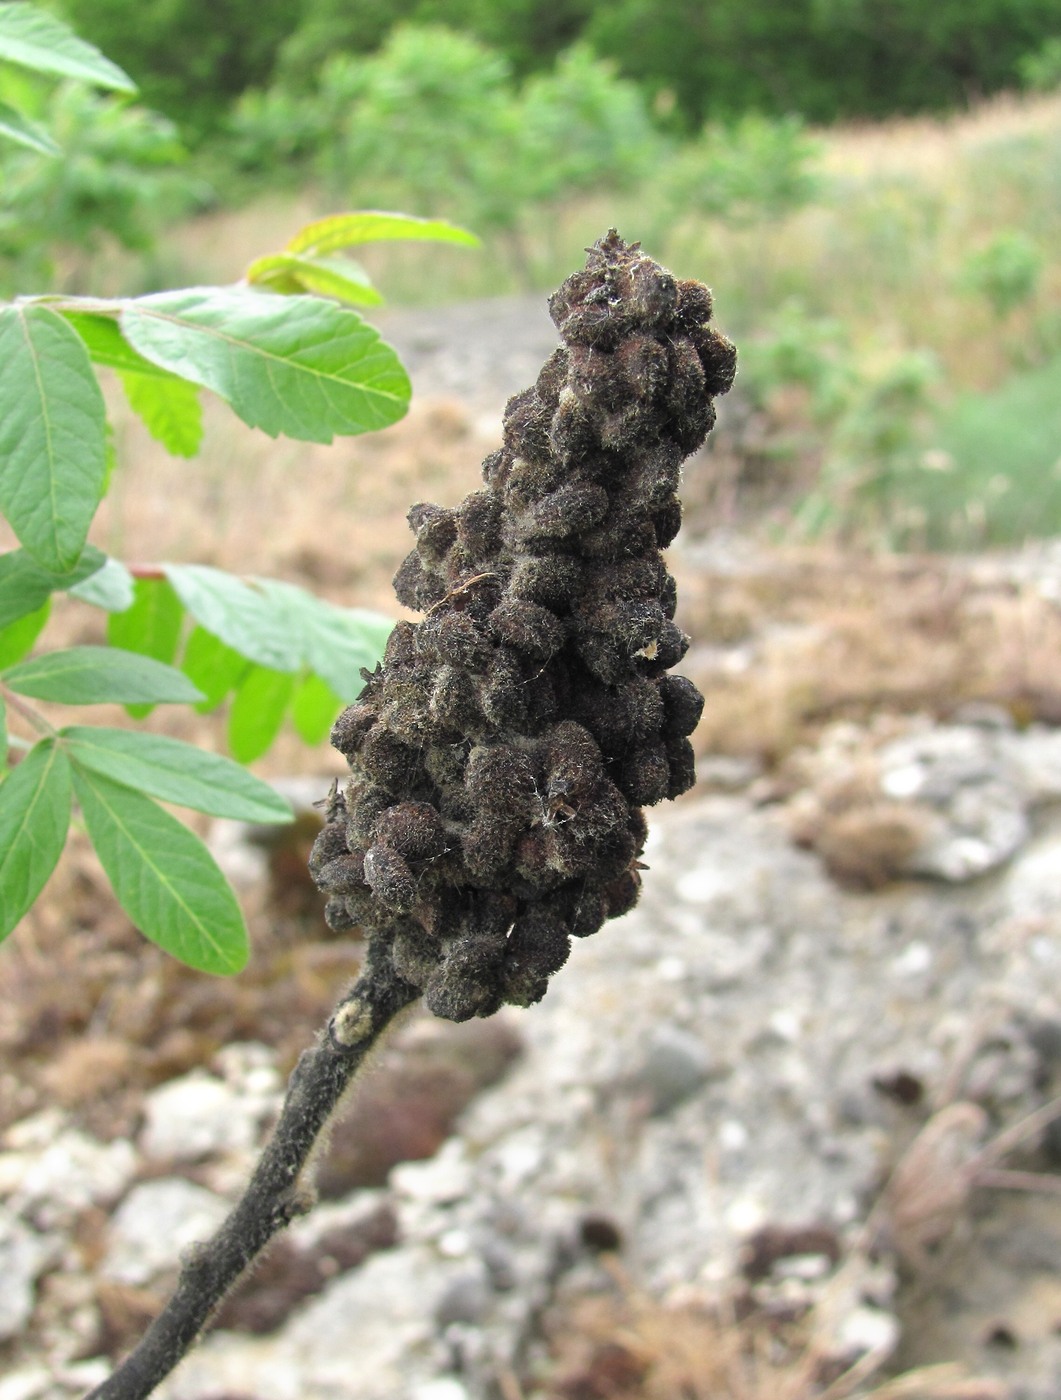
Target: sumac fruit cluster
(502, 753)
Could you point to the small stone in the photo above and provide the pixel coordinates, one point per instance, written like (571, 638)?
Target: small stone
(155, 1222)
(24, 1254)
(198, 1116)
(465, 1298)
(675, 1068)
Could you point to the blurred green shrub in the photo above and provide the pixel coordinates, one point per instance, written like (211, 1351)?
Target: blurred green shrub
(1041, 70)
(119, 178)
(754, 168)
(1006, 271)
(191, 60)
(435, 122)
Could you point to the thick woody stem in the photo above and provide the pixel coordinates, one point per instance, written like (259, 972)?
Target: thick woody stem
(277, 1192)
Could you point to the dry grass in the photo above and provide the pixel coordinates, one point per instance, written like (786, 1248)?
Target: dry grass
(804, 637)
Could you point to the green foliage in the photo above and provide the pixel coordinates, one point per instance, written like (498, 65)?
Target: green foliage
(120, 178)
(191, 63)
(1006, 271)
(994, 477)
(1041, 70)
(303, 365)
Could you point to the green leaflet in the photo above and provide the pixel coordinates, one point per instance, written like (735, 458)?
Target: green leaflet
(107, 346)
(96, 675)
(34, 816)
(25, 586)
(336, 642)
(164, 877)
(297, 365)
(240, 615)
(110, 588)
(3, 738)
(175, 772)
(258, 711)
(338, 278)
(17, 638)
(370, 226)
(34, 39)
(169, 408)
(52, 459)
(15, 127)
(314, 709)
(212, 666)
(150, 626)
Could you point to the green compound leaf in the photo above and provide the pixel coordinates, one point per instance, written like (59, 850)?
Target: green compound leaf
(107, 346)
(164, 877)
(298, 365)
(336, 642)
(17, 638)
(25, 586)
(212, 666)
(371, 226)
(258, 711)
(99, 675)
(175, 772)
(169, 409)
(33, 39)
(34, 816)
(240, 615)
(338, 278)
(110, 588)
(314, 709)
(15, 127)
(52, 434)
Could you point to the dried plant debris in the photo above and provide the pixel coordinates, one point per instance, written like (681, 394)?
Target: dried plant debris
(501, 755)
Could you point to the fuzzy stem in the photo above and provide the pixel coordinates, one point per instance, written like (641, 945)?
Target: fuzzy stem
(276, 1194)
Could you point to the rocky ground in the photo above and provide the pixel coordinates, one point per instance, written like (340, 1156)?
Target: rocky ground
(781, 1132)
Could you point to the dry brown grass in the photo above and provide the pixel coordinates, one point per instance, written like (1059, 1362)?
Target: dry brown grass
(804, 637)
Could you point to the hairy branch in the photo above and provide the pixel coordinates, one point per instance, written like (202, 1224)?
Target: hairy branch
(277, 1193)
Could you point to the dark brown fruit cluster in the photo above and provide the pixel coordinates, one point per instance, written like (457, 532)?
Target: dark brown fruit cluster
(503, 752)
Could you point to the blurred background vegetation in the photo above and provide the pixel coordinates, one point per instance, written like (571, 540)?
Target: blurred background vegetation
(873, 189)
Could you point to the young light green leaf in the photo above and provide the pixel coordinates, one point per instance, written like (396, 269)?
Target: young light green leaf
(370, 226)
(107, 346)
(169, 408)
(300, 366)
(99, 675)
(175, 772)
(258, 711)
(51, 434)
(109, 588)
(34, 39)
(240, 615)
(15, 127)
(314, 709)
(17, 638)
(24, 585)
(338, 278)
(3, 738)
(34, 816)
(336, 642)
(165, 878)
(212, 666)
